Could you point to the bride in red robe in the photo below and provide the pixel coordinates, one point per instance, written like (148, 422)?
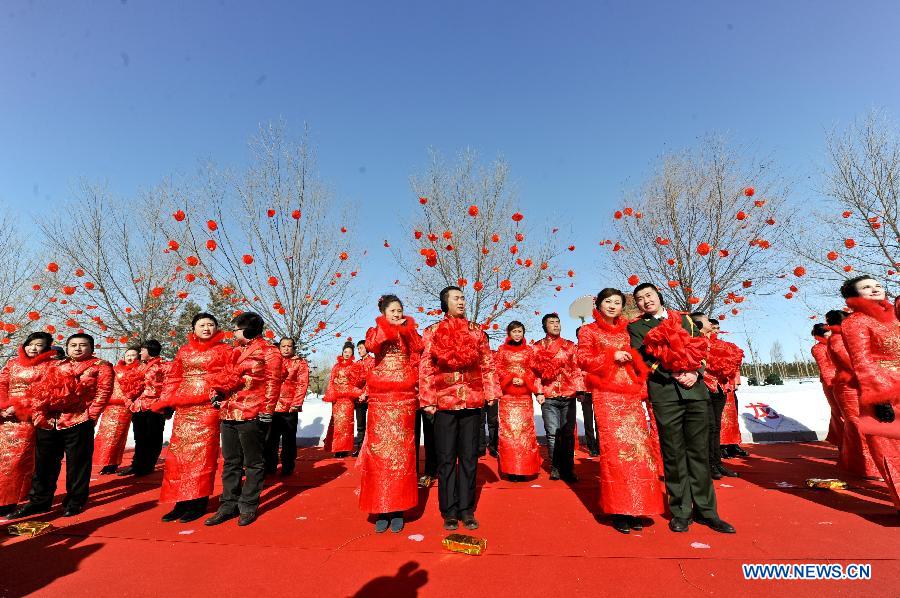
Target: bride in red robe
(615, 375)
(820, 354)
(190, 466)
(342, 392)
(112, 431)
(872, 336)
(854, 457)
(388, 485)
(517, 447)
(17, 437)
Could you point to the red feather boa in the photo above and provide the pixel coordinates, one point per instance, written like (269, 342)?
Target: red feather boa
(452, 344)
(674, 347)
(131, 384)
(882, 310)
(61, 391)
(724, 359)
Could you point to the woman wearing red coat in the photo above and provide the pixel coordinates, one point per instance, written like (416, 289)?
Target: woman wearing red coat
(615, 375)
(112, 431)
(854, 457)
(16, 428)
(342, 392)
(388, 485)
(190, 466)
(517, 445)
(819, 351)
(872, 336)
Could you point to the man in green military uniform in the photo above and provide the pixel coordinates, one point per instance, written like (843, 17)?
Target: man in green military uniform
(679, 402)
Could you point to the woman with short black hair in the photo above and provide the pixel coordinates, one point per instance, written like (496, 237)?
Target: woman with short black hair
(342, 392)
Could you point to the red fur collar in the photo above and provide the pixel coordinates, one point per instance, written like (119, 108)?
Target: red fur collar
(835, 330)
(523, 346)
(343, 361)
(205, 345)
(883, 310)
(822, 340)
(618, 324)
(24, 360)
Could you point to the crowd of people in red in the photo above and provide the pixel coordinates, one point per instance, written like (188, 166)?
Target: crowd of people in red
(662, 388)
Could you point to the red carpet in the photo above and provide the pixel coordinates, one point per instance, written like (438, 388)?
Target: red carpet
(312, 540)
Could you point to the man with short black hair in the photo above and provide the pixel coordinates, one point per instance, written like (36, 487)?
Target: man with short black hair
(283, 431)
(681, 407)
(246, 398)
(361, 405)
(561, 379)
(148, 425)
(456, 378)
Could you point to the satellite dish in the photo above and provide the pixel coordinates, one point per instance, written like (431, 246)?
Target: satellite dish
(582, 308)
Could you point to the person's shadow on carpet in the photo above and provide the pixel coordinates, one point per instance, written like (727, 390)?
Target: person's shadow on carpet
(406, 583)
(32, 564)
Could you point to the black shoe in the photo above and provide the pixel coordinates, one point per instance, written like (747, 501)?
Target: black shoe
(724, 453)
(287, 472)
(192, 515)
(554, 474)
(739, 452)
(246, 519)
(714, 472)
(451, 523)
(220, 517)
(594, 453)
(635, 523)
(28, 510)
(679, 524)
(397, 523)
(381, 524)
(108, 469)
(727, 472)
(570, 478)
(174, 514)
(271, 470)
(492, 452)
(355, 453)
(125, 471)
(621, 524)
(7, 509)
(72, 510)
(717, 525)
(482, 452)
(470, 522)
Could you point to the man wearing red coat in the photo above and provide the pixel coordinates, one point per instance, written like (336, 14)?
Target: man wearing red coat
(148, 425)
(70, 398)
(456, 379)
(247, 393)
(561, 379)
(361, 408)
(294, 384)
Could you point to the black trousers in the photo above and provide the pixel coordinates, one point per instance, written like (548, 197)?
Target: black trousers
(148, 440)
(243, 446)
(590, 424)
(456, 443)
(283, 430)
(425, 427)
(716, 407)
(361, 410)
(77, 445)
(489, 416)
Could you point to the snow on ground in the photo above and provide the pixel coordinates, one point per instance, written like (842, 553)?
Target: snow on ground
(800, 413)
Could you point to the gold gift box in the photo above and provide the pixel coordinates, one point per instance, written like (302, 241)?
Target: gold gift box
(465, 544)
(826, 483)
(29, 528)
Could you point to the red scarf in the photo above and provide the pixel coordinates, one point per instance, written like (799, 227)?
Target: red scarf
(205, 345)
(618, 324)
(882, 310)
(23, 360)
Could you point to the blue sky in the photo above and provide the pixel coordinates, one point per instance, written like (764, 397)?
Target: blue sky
(579, 97)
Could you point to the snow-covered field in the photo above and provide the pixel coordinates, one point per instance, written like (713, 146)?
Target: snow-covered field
(800, 412)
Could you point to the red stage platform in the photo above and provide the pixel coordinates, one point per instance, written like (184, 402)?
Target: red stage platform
(543, 540)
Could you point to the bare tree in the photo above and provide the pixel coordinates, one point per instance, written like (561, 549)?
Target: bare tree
(22, 302)
(708, 227)
(467, 232)
(110, 273)
(776, 355)
(859, 233)
(275, 232)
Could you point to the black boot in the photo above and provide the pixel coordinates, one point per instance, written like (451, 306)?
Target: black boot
(621, 524)
(175, 513)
